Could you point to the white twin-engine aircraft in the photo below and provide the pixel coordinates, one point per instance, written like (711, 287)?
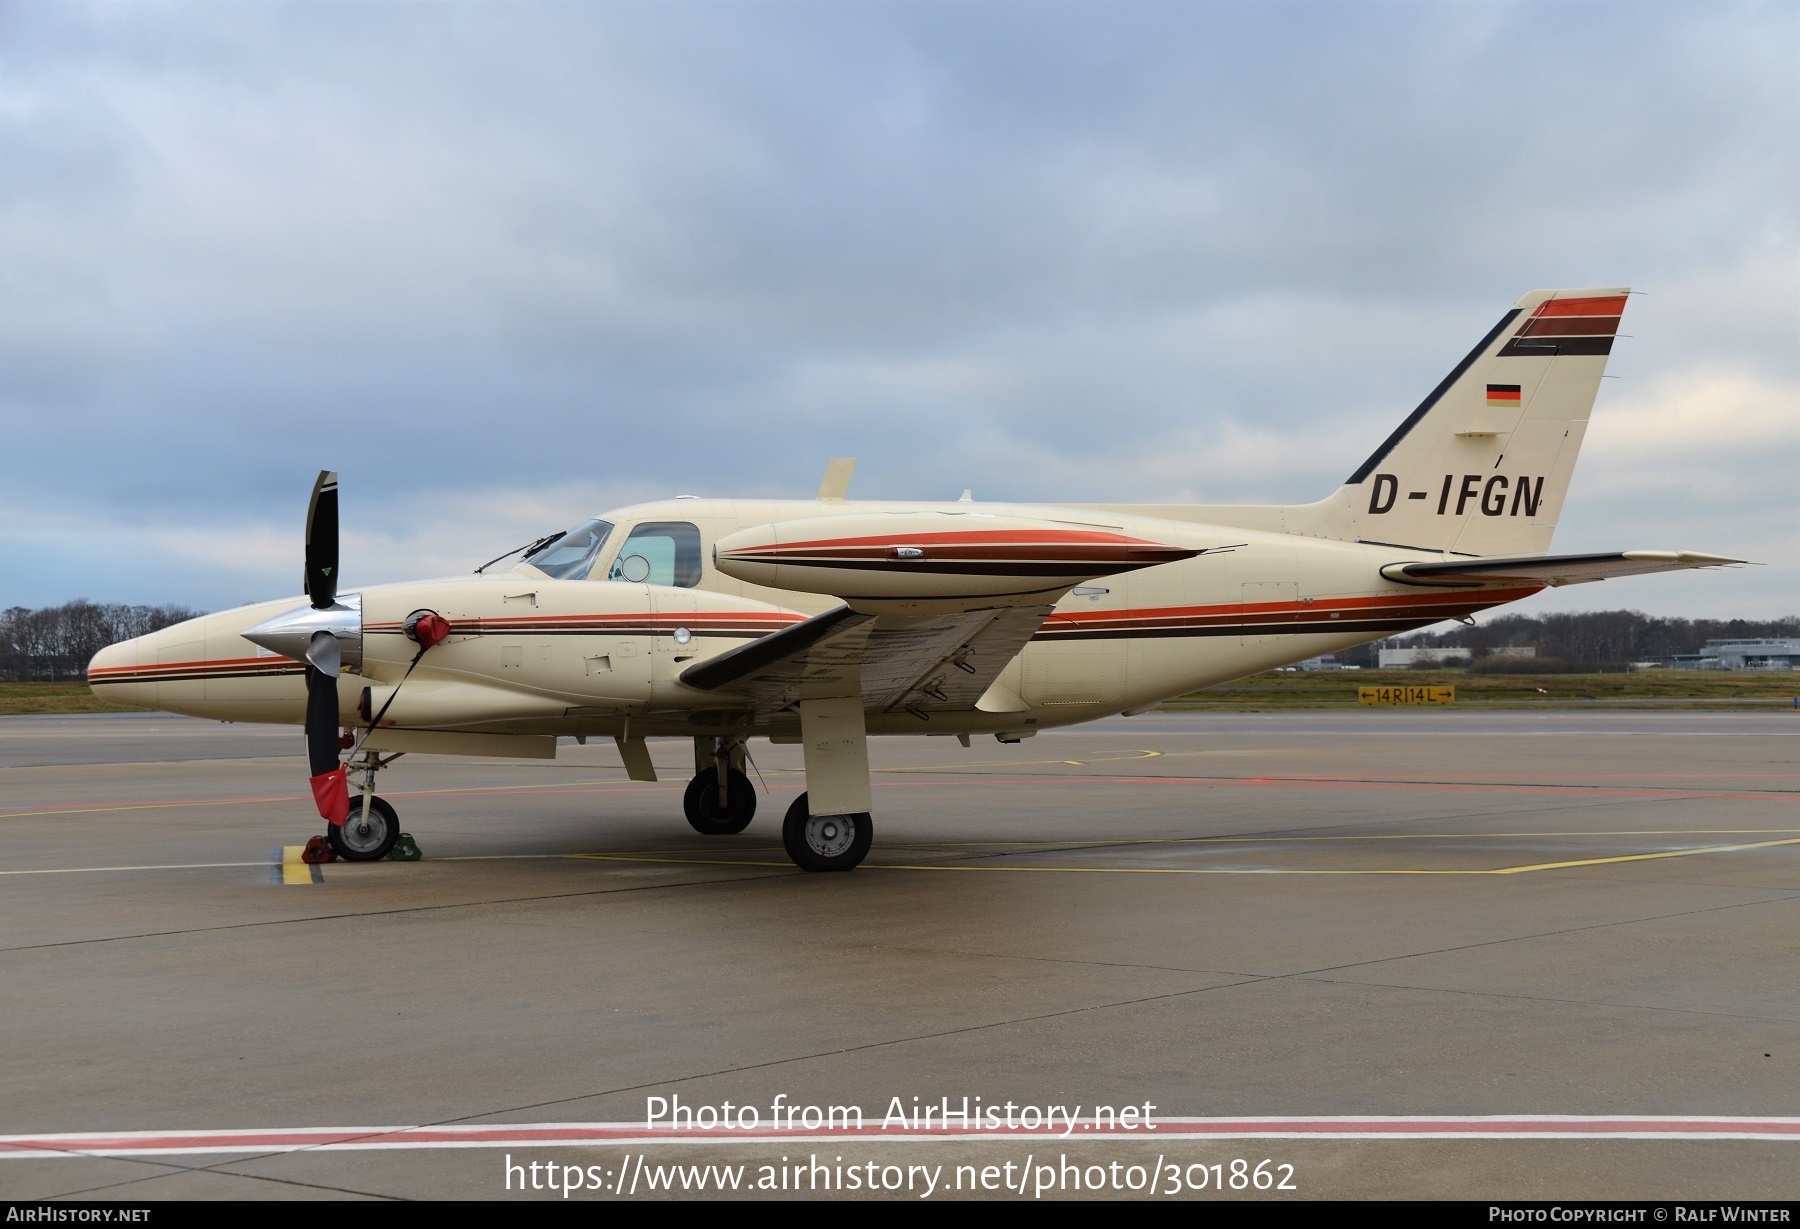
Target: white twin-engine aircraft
(824, 621)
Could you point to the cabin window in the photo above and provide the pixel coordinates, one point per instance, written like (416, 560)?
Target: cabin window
(660, 553)
(570, 556)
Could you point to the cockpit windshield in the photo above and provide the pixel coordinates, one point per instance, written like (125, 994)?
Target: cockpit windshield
(570, 556)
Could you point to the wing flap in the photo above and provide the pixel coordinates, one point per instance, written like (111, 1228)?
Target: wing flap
(922, 663)
(1552, 570)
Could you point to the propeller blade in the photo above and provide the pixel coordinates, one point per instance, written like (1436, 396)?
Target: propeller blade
(324, 654)
(322, 541)
(321, 722)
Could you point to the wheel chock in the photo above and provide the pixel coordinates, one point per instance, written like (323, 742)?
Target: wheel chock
(405, 849)
(317, 850)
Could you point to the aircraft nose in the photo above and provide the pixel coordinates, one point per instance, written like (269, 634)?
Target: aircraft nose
(113, 674)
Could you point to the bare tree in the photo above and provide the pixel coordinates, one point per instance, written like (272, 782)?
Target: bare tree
(57, 642)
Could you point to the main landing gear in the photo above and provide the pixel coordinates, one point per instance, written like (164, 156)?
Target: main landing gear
(825, 842)
(712, 815)
(720, 800)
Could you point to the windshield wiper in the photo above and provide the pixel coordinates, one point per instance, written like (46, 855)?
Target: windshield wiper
(530, 549)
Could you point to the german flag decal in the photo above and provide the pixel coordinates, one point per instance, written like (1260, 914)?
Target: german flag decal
(1503, 396)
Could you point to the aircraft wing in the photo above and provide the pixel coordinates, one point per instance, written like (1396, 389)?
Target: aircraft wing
(936, 604)
(918, 663)
(1549, 569)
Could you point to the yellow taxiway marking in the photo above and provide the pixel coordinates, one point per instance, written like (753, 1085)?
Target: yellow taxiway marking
(293, 870)
(1642, 857)
(296, 870)
(1211, 870)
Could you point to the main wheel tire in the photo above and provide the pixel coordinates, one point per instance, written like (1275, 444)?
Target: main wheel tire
(353, 842)
(701, 803)
(826, 842)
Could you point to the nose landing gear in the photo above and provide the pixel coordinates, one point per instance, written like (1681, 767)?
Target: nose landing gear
(366, 836)
(370, 831)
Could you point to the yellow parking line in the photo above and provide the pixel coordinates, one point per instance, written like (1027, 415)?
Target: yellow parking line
(1214, 870)
(1641, 857)
(295, 870)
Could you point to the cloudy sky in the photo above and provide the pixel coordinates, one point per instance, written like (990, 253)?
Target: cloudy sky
(509, 265)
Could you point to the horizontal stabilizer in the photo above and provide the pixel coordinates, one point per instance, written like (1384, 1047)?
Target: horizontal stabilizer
(1550, 570)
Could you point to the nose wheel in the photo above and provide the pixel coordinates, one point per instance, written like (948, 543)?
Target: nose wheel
(365, 840)
(825, 842)
(715, 812)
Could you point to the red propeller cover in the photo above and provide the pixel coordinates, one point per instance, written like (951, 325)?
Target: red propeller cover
(332, 792)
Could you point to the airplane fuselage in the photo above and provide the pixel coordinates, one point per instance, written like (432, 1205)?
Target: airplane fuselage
(538, 656)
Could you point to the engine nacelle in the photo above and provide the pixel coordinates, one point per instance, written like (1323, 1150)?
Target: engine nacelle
(933, 555)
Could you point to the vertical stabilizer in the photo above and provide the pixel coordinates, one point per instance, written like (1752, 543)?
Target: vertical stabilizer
(1481, 466)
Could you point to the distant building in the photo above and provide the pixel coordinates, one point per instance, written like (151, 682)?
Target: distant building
(1734, 655)
(1400, 659)
(1327, 661)
(1749, 655)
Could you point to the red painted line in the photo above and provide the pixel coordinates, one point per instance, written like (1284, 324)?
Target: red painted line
(1448, 787)
(1321, 607)
(217, 663)
(1609, 305)
(152, 803)
(1329, 783)
(1378, 1127)
(998, 537)
(700, 620)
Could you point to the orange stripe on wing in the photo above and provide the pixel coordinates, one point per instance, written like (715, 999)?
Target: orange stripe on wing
(1236, 610)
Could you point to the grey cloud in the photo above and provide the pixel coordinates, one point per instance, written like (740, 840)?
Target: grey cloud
(706, 246)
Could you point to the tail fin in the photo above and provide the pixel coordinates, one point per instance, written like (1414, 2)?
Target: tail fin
(1481, 467)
